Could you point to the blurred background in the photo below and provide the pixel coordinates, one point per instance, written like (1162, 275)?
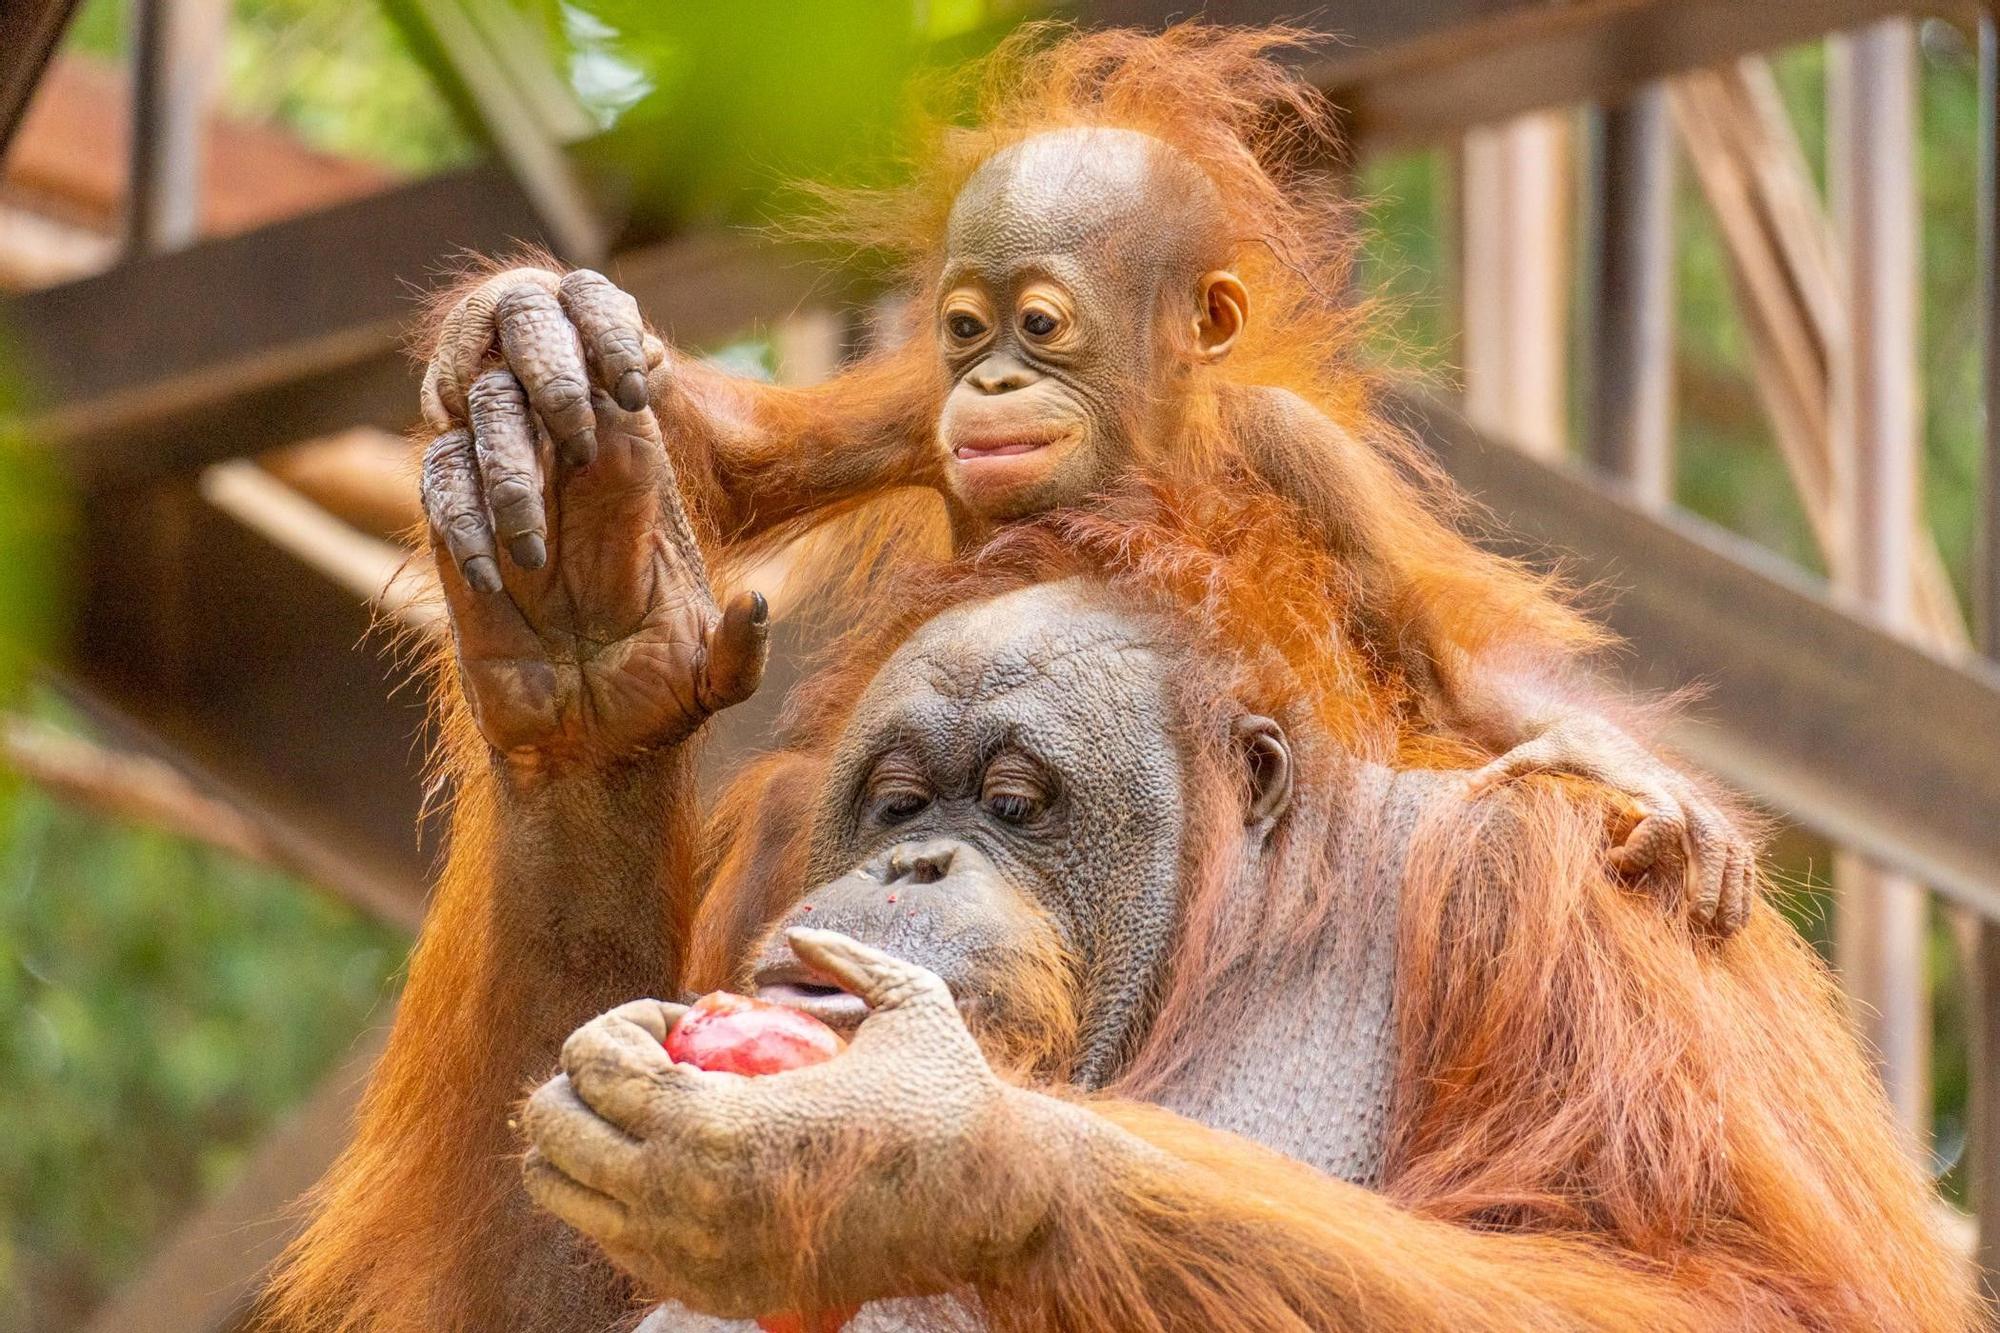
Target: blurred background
(1710, 274)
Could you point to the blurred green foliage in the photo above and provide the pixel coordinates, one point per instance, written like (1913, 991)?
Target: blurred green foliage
(161, 1004)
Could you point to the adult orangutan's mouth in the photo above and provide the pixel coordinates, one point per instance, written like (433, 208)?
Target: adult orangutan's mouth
(798, 987)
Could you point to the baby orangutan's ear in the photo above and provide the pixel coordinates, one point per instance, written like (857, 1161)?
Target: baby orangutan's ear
(1224, 308)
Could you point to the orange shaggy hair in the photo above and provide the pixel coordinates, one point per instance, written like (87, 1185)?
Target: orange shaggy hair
(1225, 101)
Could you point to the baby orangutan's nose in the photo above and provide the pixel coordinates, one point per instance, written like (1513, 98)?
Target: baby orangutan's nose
(919, 862)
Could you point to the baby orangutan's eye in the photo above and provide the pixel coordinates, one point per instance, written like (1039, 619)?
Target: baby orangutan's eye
(965, 327)
(1038, 323)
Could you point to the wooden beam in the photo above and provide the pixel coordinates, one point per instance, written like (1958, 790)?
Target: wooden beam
(280, 690)
(29, 31)
(1423, 71)
(176, 49)
(1881, 919)
(1872, 740)
(496, 70)
(1984, 1153)
(233, 346)
(1514, 207)
(1759, 189)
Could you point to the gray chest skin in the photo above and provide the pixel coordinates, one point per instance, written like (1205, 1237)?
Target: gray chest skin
(1307, 1068)
(1309, 1071)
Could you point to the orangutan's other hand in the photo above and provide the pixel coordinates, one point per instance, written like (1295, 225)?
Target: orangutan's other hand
(580, 604)
(1682, 840)
(559, 336)
(903, 1164)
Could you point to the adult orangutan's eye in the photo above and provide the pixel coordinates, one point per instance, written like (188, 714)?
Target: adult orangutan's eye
(1038, 323)
(900, 805)
(965, 327)
(1015, 790)
(896, 790)
(1010, 808)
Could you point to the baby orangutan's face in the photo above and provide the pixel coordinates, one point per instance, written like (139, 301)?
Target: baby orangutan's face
(1063, 255)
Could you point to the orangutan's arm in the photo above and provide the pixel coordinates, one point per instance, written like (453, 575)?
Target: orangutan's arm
(1443, 616)
(1163, 1223)
(577, 686)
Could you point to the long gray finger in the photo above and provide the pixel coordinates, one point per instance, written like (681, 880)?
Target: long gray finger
(607, 321)
(1709, 868)
(1742, 896)
(457, 511)
(588, 1210)
(465, 338)
(509, 468)
(544, 354)
(621, 1072)
(583, 1145)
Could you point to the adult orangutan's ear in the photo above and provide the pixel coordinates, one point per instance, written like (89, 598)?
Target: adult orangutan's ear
(1223, 311)
(1267, 764)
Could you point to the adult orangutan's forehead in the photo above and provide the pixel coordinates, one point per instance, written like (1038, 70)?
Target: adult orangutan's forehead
(1067, 636)
(1070, 191)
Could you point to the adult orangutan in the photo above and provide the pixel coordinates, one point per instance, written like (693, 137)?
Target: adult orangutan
(1198, 992)
(1084, 266)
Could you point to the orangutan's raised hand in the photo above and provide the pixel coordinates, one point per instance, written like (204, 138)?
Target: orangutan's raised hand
(1681, 840)
(580, 603)
(559, 336)
(902, 1166)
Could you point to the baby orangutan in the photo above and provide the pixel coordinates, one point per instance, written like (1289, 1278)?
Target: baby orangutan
(1118, 279)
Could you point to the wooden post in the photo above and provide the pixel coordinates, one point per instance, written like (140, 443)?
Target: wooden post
(1514, 266)
(1880, 918)
(1984, 1160)
(1631, 425)
(176, 47)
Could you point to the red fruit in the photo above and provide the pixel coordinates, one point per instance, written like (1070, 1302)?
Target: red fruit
(735, 1034)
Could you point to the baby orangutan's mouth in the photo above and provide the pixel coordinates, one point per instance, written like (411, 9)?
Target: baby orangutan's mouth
(1002, 446)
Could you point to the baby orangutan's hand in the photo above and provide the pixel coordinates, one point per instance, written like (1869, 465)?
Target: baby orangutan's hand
(902, 1166)
(1681, 840)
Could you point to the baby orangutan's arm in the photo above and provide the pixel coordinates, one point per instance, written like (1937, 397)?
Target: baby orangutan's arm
(1433, 607)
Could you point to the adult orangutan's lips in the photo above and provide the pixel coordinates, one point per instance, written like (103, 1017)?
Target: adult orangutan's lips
(798, 987)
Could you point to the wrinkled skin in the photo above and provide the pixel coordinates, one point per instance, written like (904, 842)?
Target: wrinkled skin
(607, 640)
(674, 1170)
(1080, 280)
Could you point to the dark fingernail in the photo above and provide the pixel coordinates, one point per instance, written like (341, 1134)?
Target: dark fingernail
(580, 449)
(631, 390)
(760, 610)
(528, 550)
(482, 572)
